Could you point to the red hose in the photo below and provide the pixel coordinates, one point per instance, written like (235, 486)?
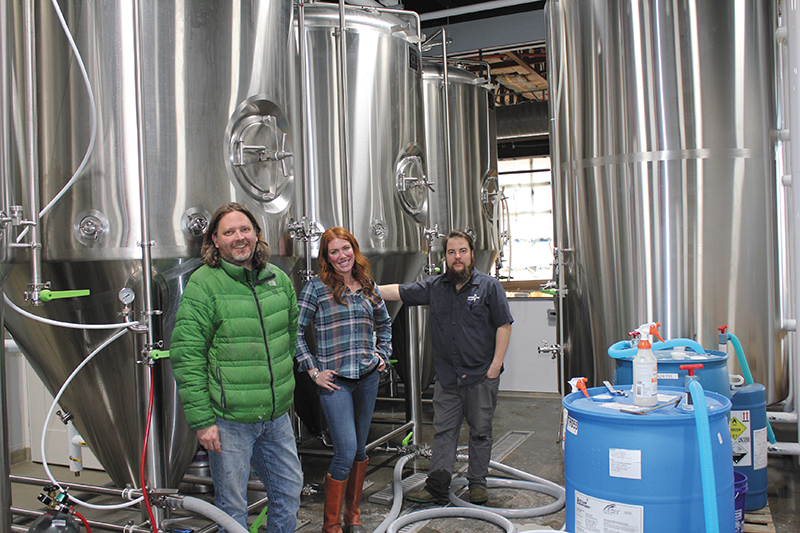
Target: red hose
(144, 454)
(85, 523)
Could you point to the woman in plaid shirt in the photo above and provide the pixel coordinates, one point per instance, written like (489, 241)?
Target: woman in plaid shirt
(354, 338)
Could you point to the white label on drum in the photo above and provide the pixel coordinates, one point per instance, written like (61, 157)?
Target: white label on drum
(760, 448)
(625, 463)
(572, 425)
(667, 376)
(593, 515)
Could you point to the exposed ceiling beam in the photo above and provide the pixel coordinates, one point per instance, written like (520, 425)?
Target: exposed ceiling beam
(537, 78)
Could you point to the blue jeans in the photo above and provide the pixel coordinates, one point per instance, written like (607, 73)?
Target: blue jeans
(349, 415)
(269, 448)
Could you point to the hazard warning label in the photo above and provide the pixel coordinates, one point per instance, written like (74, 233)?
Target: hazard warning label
(742, 439)
(737, 428)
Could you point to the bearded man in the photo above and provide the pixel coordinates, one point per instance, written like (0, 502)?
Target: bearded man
(471, 326)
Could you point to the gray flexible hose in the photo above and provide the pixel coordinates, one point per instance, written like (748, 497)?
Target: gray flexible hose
(397, 491)
(554, 491)
(444, 512)
(537, 484)
(525, 480)
(208, 510)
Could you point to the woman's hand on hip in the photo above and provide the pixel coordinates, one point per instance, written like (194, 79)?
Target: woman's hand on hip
(325, 379)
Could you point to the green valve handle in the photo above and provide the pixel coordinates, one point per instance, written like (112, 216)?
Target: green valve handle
(46, 295)
(408, 438)
(159, 354)
(262, 517)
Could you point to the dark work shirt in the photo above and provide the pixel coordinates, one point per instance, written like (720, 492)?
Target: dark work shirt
(464, 324)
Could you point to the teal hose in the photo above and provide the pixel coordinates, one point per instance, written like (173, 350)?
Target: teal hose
(706, 459)
(623, 349)
(748, 377)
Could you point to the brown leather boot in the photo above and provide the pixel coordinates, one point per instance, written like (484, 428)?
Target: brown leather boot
(334, 496)
(352, 498)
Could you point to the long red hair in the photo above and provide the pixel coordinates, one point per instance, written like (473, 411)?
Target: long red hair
(362, 271)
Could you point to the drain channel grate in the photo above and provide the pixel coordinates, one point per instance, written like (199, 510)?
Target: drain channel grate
(501, 449)
(410, 484)
(508, 443)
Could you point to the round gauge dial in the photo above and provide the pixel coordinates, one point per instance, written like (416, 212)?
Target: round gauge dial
(127, 296)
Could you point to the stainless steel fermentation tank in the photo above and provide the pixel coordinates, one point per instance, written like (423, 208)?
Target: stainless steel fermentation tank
(461, 144)
(217, 118)
(364, 129)
(665, 183)
(199, 98)
(363, 126)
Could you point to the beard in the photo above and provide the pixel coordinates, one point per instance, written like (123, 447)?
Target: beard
(459, 277)
(242, 255)
(237, 256)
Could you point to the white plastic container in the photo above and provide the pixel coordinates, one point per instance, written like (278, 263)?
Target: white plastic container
(645, 375)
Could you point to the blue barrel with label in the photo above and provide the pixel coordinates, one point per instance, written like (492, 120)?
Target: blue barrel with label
(641, 472)
(713, 376)
(749, 437)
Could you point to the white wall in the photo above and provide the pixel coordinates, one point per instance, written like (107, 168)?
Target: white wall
(17, 410)
(27, 407)
(527, 370)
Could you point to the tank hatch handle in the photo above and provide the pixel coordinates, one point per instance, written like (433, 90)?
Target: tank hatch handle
(406, 181)
(264, 155)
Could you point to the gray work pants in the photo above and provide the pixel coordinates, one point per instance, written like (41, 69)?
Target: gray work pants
(475, 403)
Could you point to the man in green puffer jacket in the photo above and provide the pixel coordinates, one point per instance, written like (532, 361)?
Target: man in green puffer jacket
(231, 352)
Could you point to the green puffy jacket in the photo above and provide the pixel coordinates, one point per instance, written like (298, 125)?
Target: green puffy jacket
(233, 343)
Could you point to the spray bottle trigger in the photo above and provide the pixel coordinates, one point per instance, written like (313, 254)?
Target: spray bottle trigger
(579, 384)
(654, 330)
(645, 330)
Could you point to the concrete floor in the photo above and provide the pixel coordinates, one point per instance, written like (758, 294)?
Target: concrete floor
(529, 424)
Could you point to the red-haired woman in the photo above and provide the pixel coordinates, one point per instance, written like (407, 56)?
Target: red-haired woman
(354, 339)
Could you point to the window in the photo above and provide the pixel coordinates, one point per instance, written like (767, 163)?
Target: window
(528, 249)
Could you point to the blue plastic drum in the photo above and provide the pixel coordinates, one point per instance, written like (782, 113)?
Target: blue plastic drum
(641, 472)
(713, 376)
(749, 434)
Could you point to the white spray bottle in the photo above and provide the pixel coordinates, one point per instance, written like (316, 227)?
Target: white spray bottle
(645, 367)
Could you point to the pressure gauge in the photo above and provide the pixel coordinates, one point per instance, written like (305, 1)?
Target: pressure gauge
(127, 296)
